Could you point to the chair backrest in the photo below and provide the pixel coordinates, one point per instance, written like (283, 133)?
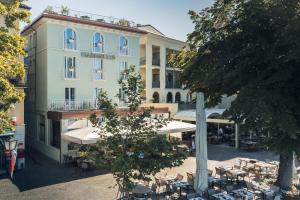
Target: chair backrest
(153, 187)
(157, 180)
(209, 172)
(277, 197)
(275, 188)
(139, 198)
(179, 177)
(218, 171)
(237, 167)
(229, 188)
(191, 195)
(211, 192)
(146, 183)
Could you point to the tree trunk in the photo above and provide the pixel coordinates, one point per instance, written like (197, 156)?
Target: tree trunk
(285, 171)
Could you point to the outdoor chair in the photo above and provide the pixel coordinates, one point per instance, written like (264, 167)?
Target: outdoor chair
(236, 167)
(230, 177)
(146, 183)
(190, 178)
(229, 189)
(209, 172)
(179, 177)
(193, 195)
(160, 184)
(210, 193)
(219, 172)
(154, 189)
(255, 190)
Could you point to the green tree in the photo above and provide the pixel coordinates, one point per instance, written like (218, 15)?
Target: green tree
(130, 146)
(11, 66)
(250, 48)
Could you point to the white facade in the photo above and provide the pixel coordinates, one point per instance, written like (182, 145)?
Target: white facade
(161, 80)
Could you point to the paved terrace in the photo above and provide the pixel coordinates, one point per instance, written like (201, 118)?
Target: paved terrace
(46, 179)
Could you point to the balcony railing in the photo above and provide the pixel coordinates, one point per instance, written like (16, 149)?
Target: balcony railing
(89, 16)
(78, 105)
(172, 84)
(65, 105)
(155, 84)
(156, 61)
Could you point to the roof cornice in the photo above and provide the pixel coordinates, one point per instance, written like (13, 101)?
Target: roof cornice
(82, 21)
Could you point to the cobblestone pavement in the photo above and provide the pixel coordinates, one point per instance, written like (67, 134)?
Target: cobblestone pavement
(46, 179)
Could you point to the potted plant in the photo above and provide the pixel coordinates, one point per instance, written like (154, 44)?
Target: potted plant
(123, 22)
(64, 10)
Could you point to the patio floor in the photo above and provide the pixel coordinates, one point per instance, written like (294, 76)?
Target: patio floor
(45, 179)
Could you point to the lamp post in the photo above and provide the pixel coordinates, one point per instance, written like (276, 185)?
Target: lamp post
(10, 145)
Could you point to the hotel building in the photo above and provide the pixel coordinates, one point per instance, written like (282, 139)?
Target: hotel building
(73, 56)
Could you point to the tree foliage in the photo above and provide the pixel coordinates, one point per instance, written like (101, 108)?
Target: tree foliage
(250, 48)
(11, 66)
(130, 146)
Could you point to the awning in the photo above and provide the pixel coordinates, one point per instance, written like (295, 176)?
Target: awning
(190, 115)
(87, 135)
(177, 126)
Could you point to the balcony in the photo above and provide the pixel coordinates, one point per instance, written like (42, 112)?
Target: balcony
(89, 16)
(64, 105)
(173, 85)
(155, 84)
(156, 61)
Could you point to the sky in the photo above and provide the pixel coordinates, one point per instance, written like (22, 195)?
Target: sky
(168, 16)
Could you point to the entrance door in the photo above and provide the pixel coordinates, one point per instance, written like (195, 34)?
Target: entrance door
(70, 98)
(55, 134)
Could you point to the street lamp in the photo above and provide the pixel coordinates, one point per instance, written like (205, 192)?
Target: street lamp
(10, 145)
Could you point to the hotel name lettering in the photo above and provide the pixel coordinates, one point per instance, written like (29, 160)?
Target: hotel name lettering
(96, 55)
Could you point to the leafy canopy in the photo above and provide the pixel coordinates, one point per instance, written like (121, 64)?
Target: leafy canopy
(130, 146)
(11, 49)
(249, 49)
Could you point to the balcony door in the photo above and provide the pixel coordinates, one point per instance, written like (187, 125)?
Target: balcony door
(69, 97)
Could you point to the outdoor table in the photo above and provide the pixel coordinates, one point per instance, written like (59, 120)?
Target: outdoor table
(212, 180)
(197, 198)
(141, 190)
(168, 178)
(244, 193)
(180, 185)
(267, 192)
(237, 173)
(223, 196)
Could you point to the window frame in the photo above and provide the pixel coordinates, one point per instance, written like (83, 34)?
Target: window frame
(75, 39)
(103, 43)
(74, 73)
(119, 47)
(95, 70)
(122, 76)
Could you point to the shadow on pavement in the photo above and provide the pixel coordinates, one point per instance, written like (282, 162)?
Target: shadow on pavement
(223, 153)
(41, 171)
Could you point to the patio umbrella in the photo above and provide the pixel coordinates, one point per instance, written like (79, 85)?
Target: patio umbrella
(201, 179)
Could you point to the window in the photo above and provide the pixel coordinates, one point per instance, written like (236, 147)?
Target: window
(123, 67)
(70, 39)
(122, 96)
(98, 69)
(42, 133)
(98, 43)
(123, 46)
(70, 67)
(169, 98)
(177, 97)
(55, 133)
(96, 92)
(69, 96)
